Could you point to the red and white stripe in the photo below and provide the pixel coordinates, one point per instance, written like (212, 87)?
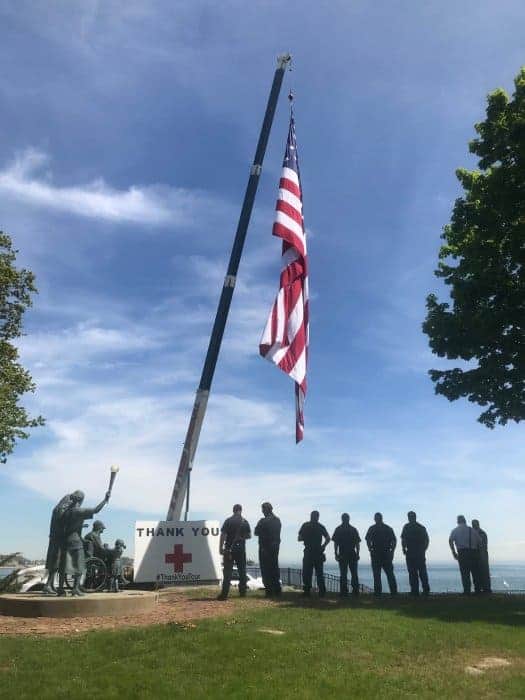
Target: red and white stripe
(285, 338)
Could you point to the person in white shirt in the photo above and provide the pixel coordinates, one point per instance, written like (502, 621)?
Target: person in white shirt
(465, 544)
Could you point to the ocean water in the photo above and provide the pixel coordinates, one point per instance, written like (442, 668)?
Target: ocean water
(444, 578)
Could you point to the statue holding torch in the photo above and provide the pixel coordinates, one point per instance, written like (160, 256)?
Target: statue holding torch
(72, 555)
(112, 476)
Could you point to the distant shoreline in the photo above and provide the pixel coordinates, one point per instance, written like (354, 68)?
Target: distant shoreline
(365, 560)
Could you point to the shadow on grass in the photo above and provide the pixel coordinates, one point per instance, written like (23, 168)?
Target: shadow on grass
(494, 609)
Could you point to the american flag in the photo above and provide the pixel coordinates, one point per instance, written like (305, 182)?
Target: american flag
(285, 338)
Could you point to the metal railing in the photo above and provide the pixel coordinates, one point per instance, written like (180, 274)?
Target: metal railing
(294, 578)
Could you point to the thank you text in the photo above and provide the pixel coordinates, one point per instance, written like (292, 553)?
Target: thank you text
(177, 552)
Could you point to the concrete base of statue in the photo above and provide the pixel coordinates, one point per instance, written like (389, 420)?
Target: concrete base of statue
(92, 604)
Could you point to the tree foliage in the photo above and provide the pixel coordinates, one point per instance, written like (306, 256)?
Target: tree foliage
(16, 288)
(482, 260)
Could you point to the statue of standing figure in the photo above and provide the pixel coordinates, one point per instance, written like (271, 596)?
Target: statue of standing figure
(72, 555)
(116, 567)
(65, 553)
(56, 528)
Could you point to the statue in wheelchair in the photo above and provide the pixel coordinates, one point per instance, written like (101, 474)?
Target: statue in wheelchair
(104, 568)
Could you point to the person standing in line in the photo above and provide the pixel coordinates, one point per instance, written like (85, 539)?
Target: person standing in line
(414, 540)
(382, 542)
(312, 533)
(464, 543)
(484, 569)
(268, 530)
(234, 533)
(346, 544)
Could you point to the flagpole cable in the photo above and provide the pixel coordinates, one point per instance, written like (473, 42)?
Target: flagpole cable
(181, 486)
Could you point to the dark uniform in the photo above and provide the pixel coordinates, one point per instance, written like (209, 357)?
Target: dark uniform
(268, 530)
(312, 533)
(484, 569)
(381, 542)
(237, 531)
(414, 539)
(346, 537)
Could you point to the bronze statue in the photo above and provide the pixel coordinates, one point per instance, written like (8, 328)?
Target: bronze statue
(67, 551)
(115, 564)
(72, 555)
(55, 541)
(93, 546)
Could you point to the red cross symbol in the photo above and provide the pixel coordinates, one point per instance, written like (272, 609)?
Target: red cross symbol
(178, 558)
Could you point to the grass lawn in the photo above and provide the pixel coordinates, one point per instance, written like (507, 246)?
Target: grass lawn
(370, 649)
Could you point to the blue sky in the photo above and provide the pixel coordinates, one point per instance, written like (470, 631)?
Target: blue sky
(128, 132)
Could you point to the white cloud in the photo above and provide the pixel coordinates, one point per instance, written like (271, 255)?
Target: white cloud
(116, 384)
(153, 205)
(135, 415)
(144, 434)
(83, 340)
(246, 451)
(244, 456)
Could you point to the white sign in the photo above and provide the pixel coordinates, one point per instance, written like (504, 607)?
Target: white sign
(177, 552)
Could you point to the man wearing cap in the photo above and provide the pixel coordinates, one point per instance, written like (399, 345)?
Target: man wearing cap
(465, 543)
(268, 530)
(414, 540)
(346, 545)
(234, 533)
(93, 541)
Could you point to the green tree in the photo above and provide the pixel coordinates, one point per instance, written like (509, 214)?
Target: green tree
(16, 287)
(483, 263)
